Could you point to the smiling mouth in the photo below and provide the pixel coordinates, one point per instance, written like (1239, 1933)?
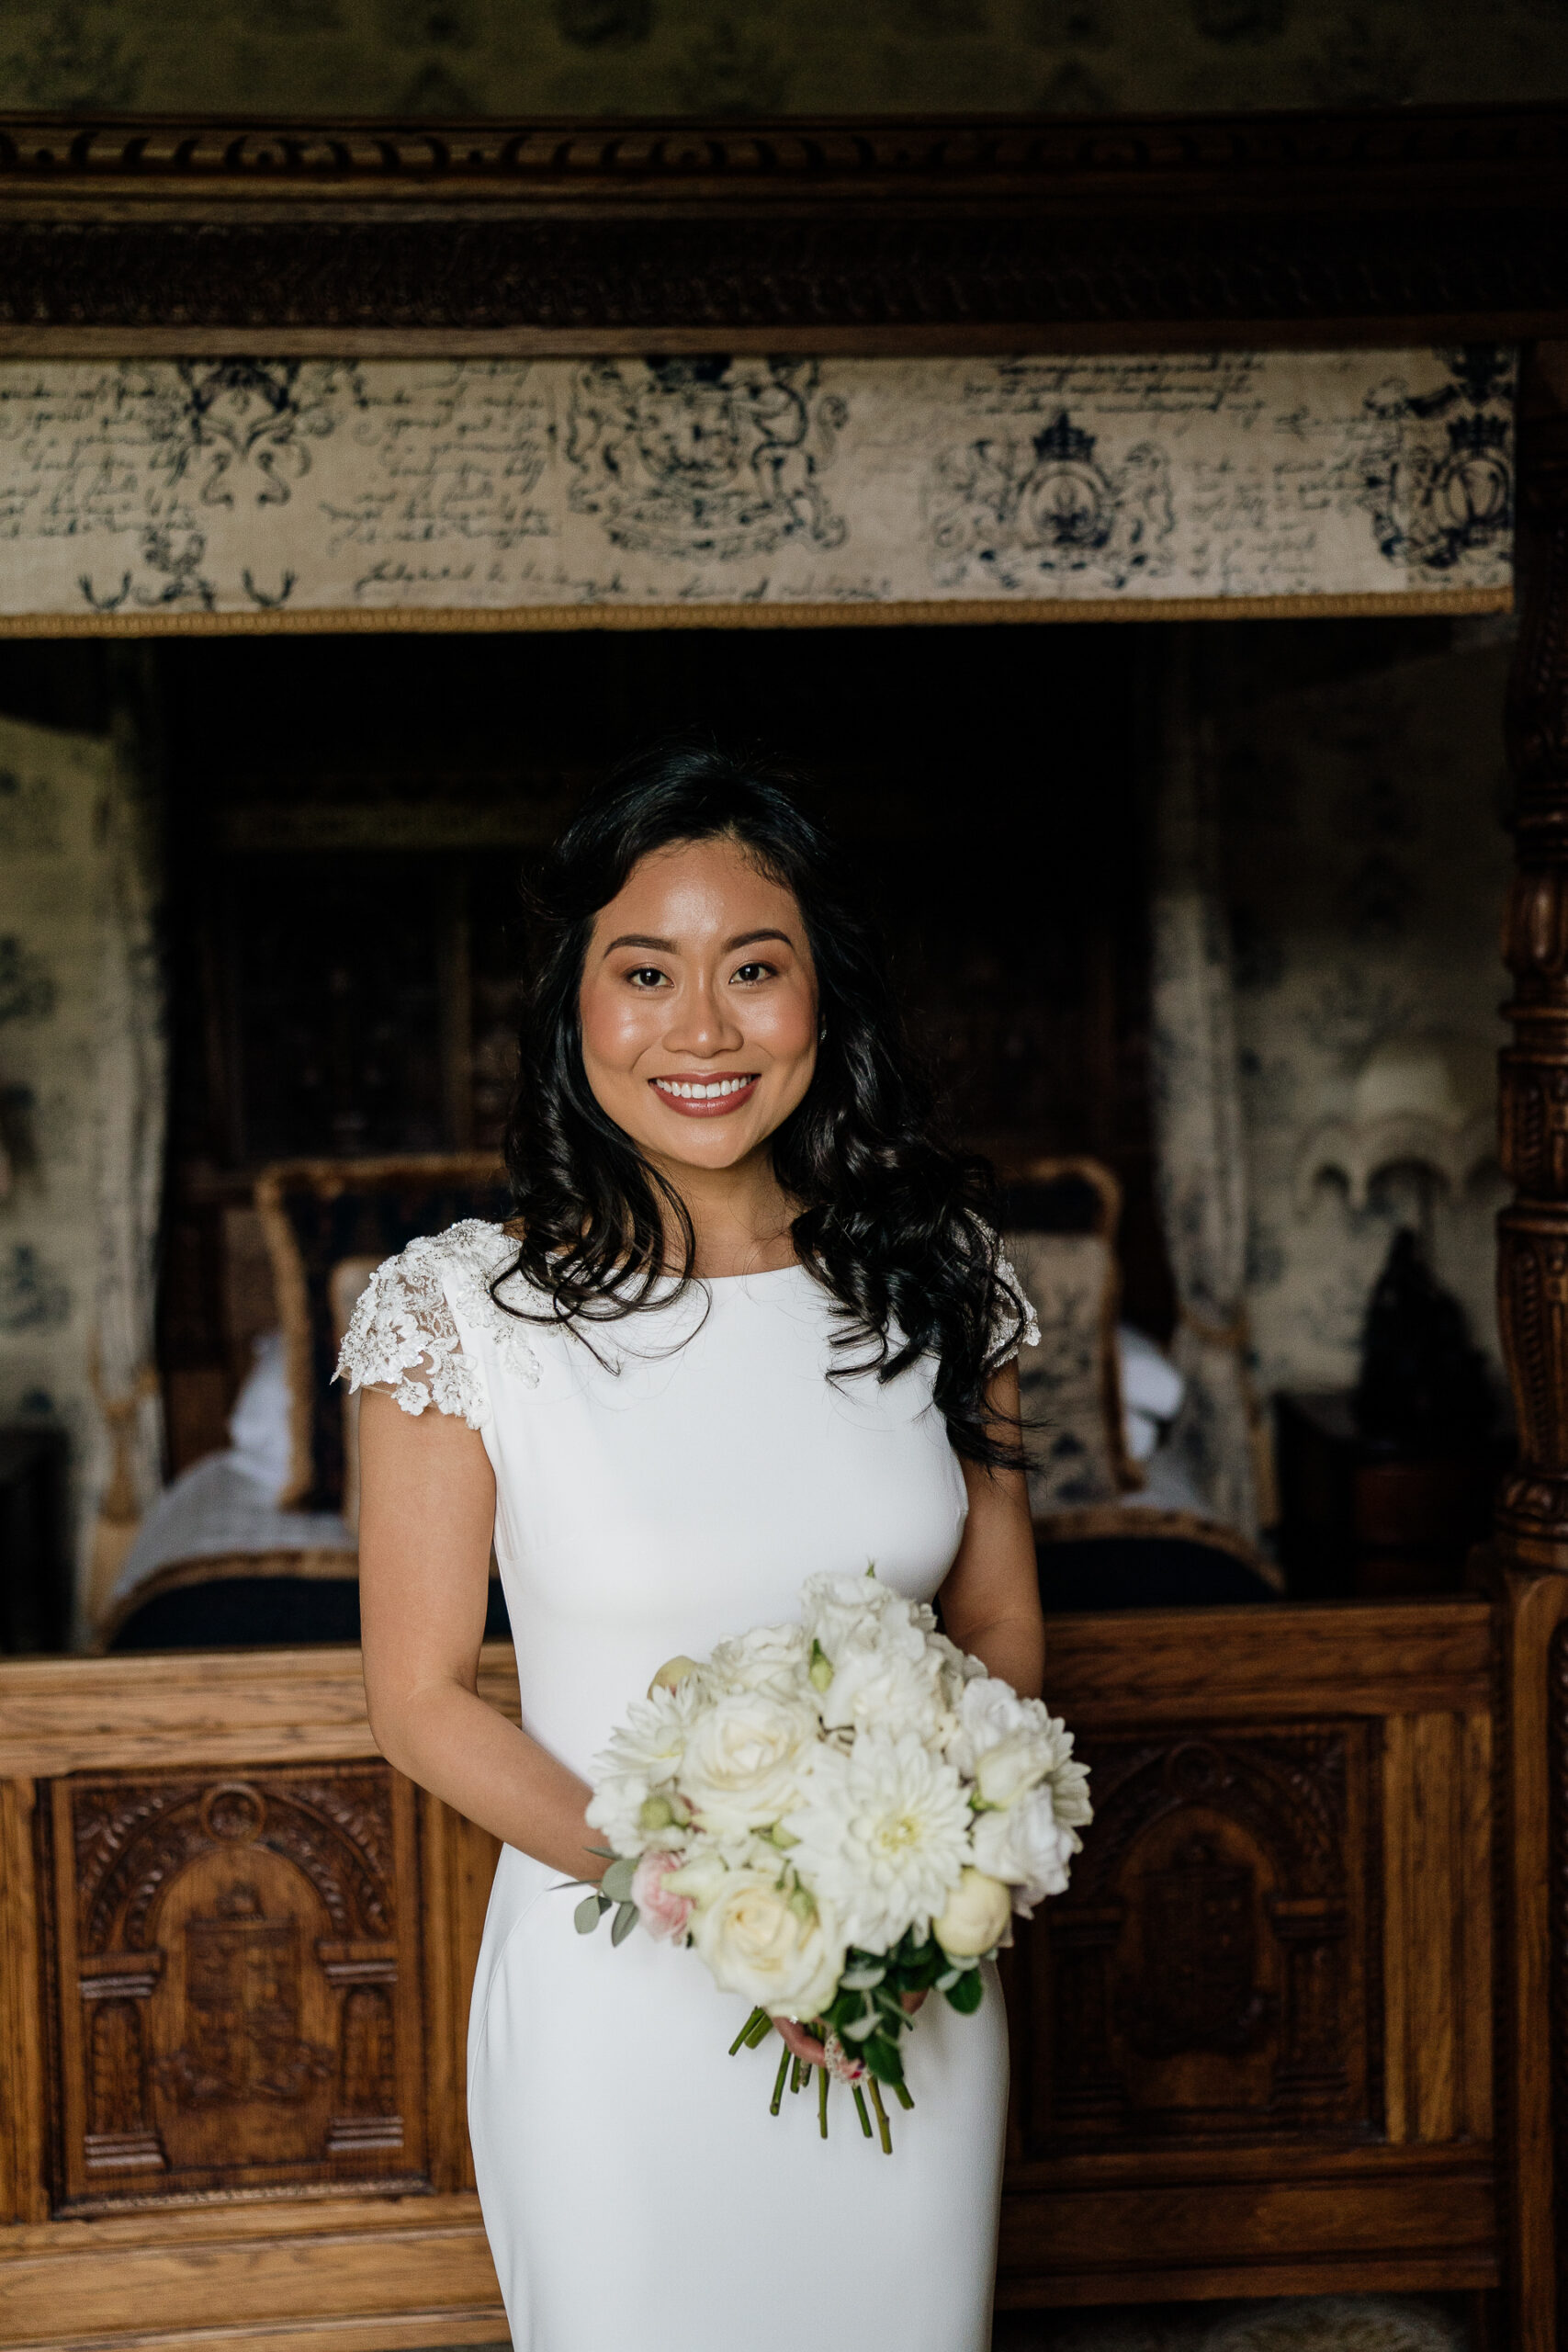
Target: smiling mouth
(706, 1098)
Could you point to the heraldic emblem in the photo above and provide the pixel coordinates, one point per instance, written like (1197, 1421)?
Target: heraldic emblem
(703, 458)
(1438, 483)
(241, 2038)
(1012, 510)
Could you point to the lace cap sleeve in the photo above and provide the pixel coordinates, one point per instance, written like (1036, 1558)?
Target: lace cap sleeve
(404, 1338)
(1008, 1334)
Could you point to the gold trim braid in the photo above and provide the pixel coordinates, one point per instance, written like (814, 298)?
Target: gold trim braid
(329, 620)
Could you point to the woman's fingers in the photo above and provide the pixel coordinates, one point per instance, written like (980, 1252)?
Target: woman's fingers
(806, 2048)
(911, 2002)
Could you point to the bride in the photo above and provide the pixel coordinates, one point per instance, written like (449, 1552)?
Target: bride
(746, 1325)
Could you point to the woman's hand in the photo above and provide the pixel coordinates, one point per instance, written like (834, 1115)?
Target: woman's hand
(806, 2047)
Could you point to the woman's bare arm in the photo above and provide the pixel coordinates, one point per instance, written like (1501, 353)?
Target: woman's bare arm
(990, 1600)
(426, 1515)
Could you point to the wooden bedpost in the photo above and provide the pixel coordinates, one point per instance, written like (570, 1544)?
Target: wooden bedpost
(1531, 1575)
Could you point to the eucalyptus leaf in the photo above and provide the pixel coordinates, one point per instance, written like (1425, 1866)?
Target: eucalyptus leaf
(861, 1979)
(616, 1881)
(586, 1916)
(625, 1920)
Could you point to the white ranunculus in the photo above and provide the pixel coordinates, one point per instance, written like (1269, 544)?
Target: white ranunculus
(617, 1812)
(957, 1667)
(1027, 1846)
(989, 1710)
(767, 1941)
(976, 1918)
(836, 1611)
(880, 1684)
(1019, 1761)
(884, 1835)
(745, 1760)
(1069, 1786)
(771, 1657)
(702, 1873)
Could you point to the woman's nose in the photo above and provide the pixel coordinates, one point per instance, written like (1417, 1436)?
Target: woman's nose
(703, 1023)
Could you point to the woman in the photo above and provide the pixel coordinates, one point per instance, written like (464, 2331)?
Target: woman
(746, 1325)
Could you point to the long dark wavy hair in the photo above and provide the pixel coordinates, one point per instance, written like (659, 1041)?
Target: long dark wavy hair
(889, 1219)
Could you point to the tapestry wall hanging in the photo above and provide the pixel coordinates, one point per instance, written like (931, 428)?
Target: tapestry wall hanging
(142, 496)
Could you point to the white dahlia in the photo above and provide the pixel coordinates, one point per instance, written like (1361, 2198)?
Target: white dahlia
(651, 1741)
(884, 1835)
(635, 1804)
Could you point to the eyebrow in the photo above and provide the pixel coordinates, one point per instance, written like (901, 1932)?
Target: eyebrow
(670, 948)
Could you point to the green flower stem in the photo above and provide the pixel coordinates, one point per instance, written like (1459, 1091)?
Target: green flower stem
(902, 2093)
(822, 2100)
(746, 2032)
(759, 2031)
(796, 2079)
(880, 2115)
(860, 2111)
(779, 2080)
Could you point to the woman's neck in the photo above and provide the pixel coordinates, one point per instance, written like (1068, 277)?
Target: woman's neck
(741, 1218)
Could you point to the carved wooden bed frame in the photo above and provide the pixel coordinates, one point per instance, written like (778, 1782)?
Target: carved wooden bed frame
(1302, 2022)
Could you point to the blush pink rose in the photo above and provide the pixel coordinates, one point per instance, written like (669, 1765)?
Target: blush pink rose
(662, 1914)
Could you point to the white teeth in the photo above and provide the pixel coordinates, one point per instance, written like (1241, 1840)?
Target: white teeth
(714, 1090)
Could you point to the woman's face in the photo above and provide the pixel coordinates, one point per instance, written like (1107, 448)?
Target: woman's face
(699, 1006)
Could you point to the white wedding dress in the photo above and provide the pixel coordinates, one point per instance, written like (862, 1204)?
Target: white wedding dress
(635, 2190)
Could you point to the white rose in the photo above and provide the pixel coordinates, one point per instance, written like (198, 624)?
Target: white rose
(1002, 1773)
(746, 1758)
(769, 1942)
(978, 1914)
(1027, 1846)
(771, 1657)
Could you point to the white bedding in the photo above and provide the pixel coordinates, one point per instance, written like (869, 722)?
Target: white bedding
(215, 1506)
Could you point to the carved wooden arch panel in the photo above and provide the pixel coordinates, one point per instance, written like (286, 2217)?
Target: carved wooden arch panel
(237, 1982)
(1212, 1970)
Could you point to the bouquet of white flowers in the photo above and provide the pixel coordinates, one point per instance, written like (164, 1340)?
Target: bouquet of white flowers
(836, 1814)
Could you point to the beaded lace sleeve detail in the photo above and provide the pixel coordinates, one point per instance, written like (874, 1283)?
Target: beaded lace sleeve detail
(1004, 1338)
(405, 1339)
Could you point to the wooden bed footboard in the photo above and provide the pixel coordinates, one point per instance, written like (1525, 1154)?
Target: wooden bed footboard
(1253, 2046)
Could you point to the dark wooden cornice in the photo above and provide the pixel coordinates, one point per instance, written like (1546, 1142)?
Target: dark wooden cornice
(154, 233)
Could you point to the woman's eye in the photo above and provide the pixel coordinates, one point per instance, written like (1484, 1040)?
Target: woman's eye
(647, 975)
(749, 972)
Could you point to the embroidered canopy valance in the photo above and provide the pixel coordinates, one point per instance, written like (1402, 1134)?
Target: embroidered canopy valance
(151, 495)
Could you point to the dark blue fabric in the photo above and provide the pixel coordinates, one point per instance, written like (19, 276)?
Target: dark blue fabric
(263, 1612)
(1144, 1572)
